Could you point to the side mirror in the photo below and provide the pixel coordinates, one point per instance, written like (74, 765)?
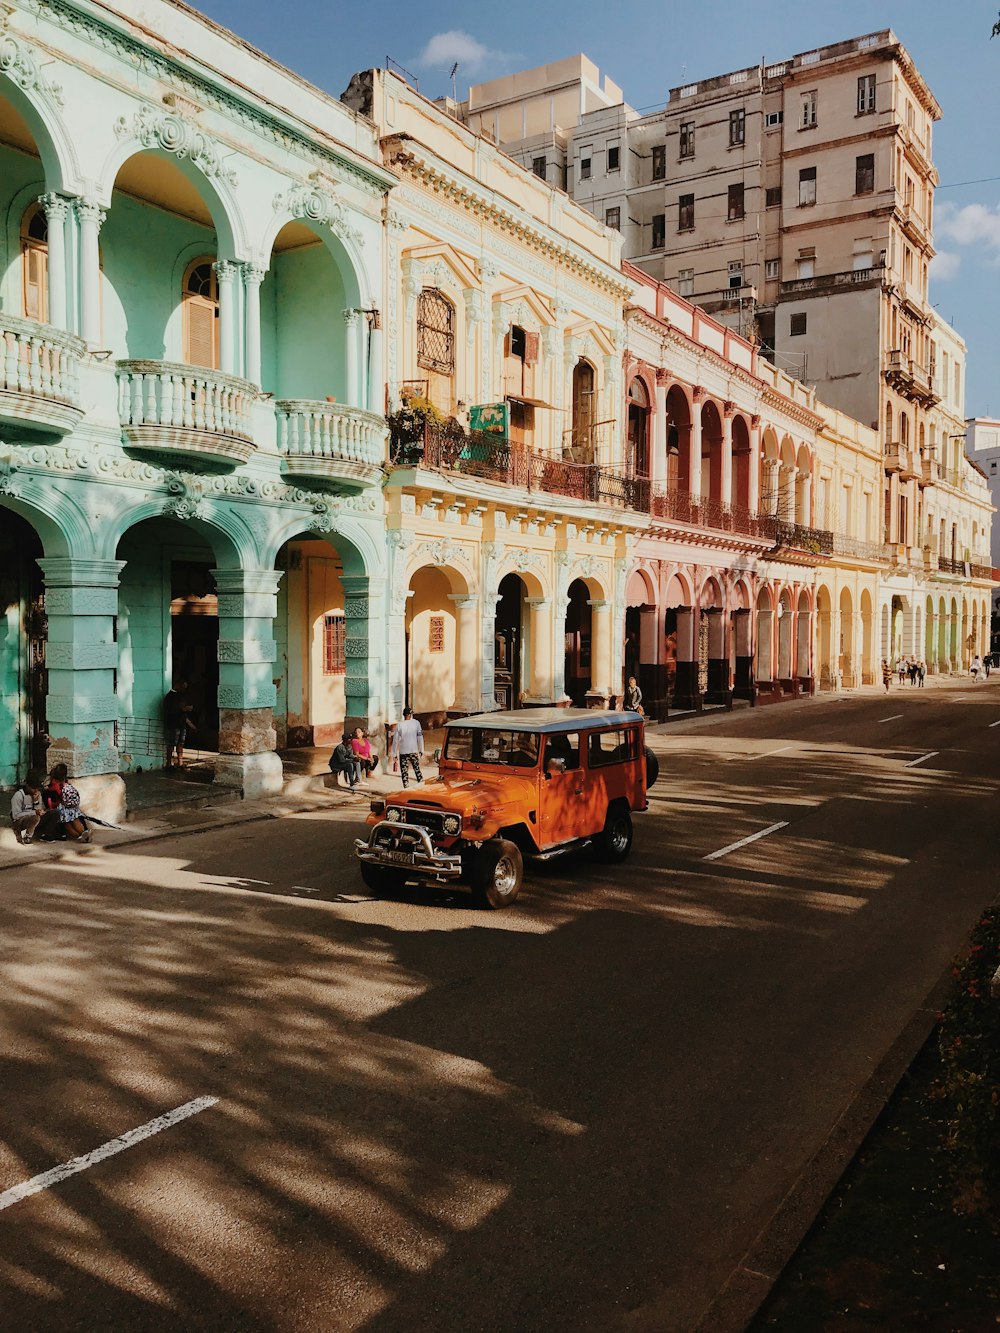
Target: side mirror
(555, 766)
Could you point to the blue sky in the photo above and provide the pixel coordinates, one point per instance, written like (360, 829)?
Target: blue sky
(657, 45)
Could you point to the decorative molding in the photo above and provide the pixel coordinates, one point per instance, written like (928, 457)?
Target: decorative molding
(19, 61)
(173, 134)
(313, 203)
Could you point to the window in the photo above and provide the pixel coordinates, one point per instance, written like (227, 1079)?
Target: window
(614, 158)
(772, 268)
(539, 165)
(805, 265)
(687, 138)
(735, 272)
(864, 174)
(659, 162)
(563, 747)
(435, 332)
(807, 114)
(435, 634)
(685, 282)
(773, 119)
(807, 186)
(685, 212)
(334, 641)
(612, 747)
(659, 231)
(585, 168)
(797, 324)
(862, 260)
(772, 196)
(736, 210)
(613, 218)
(737, 128)
(866, 94)
(35, 264)
(200, 314)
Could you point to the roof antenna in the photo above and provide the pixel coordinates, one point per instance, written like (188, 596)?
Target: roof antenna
(454, 71)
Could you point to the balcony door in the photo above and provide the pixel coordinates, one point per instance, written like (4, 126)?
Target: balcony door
(200, 308)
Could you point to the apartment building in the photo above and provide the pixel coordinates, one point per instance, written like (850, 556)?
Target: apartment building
(983, 448)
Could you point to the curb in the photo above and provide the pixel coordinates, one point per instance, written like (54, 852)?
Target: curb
(750, 1283)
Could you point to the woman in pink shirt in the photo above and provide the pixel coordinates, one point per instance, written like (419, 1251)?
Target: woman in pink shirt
(363, 752)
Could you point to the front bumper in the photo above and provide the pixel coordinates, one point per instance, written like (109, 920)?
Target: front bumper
(407, 847)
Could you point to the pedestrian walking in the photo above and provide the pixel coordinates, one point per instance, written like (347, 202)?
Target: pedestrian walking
(632, 702)
(976, 667)
(987, 664)
(902, 670)
(921, 673)
(26, 807)
(176, 722)
(911, 671)
(408, 746)
(886, 674)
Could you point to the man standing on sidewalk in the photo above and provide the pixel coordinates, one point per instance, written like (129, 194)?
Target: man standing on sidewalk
(408, 746)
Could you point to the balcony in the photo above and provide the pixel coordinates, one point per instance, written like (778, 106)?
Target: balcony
(898, 458)
(911, 379)
(856, 547)
(914, 224)
(929, 471)
(39, 379)
(487, 457)
(328, 442)
(825, 283)
(185, 411)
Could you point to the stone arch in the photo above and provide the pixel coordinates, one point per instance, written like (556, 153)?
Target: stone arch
(742, 462)
(711, 594)
(533, 575)
(764, 656)
(55, 146)
(678, 436)
(328, 221)
(641, 588)
(829, 668)
(678, 590)
(711, 450)
(218, 525)
(362, 555)
(62, 529)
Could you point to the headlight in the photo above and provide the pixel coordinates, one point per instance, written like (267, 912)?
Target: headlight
(452, 824)
(393, 815)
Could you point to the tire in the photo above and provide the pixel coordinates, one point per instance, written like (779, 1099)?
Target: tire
(382, 879)
(652, 767)
(496, 873)
(615, 841)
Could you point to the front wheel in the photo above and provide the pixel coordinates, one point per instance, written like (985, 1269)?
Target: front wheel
(496, 873)
(382, 879)
(615, 842)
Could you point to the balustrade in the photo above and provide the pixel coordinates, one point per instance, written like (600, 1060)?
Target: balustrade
(329, 439)
(186, 409)
(39, 375)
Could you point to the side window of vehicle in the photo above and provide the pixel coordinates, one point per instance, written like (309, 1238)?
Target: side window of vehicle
(459, 743)
(612, 747)
(564, 747)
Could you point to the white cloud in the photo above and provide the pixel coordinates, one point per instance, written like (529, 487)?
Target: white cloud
(945, 265)
(445, 48)
(974, 224)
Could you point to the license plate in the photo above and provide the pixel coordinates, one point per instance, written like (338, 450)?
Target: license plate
(399, 858)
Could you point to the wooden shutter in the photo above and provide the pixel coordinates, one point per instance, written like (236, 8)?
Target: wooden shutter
(530, 349)
(201, 332)
(36, 263)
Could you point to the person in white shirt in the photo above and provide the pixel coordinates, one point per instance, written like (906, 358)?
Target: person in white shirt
(26, 807)
(408, 746)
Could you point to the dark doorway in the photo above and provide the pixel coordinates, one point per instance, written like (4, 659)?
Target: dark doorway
(23, 636)
(578, 643)
(194, 639)
(507, 642)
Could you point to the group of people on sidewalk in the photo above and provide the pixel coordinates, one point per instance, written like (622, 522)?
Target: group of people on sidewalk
(48, 813)
(354, 757)
(915, 670)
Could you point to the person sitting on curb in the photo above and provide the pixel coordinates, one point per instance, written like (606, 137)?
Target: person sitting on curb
(26, 808)
(366, 757)
(343, 760)
(63, 800)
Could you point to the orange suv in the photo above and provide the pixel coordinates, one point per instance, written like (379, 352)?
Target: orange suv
(536, 782)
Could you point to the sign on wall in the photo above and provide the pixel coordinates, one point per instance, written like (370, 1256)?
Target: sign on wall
(493, 418)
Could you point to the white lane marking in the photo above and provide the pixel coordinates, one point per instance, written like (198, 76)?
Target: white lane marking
(894, 718)
(930, 755)
(768, 754)
(733, 846)
(77, 1164)
(995, 724)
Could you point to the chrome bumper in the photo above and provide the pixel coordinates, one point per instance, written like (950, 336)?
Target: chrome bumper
(387, 844)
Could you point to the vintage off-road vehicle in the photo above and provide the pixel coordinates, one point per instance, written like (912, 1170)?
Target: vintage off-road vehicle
(535, 782)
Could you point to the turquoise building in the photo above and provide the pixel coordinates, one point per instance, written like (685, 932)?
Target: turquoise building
(192, 429)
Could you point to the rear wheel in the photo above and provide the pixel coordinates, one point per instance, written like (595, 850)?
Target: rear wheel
(615, 842)
(652, 767)
(382, 879)
(496, 873)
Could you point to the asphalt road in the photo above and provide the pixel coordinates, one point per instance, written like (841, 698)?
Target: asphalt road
(576, 1114)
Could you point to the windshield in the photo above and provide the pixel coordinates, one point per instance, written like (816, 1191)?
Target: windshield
(509, 749)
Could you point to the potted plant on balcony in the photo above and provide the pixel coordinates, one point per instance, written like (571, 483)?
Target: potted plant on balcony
(408, 428)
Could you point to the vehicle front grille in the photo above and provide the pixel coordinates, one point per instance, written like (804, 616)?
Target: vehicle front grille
(431, 820)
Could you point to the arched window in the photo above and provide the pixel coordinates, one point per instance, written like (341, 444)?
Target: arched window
(435, 332)
(583, 412)
(638, 431)
(35, 264)
(200, 311)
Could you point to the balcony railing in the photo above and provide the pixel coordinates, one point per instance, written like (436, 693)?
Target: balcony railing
(949, 566)
(329, 440)
(826, 282)
(857, 547)
(911, 378)
(39, 377)
(186, 410)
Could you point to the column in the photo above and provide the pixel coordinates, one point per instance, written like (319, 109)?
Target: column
(807, 514)
(487, 658)
(694, 457)
(686, 692)
(786, 490)
(754, 493)
(91, 216)
(253, 276)
(81, 603)
(226, 271)
(248, 603)
(600, 653)
(467, 643)
(727, 453)
(743, 636)
(364, 651)
(718, 691)
(658, 471)
(376, 377)
(770, 468)
(351, 391)
(541, 649)
(56, 212)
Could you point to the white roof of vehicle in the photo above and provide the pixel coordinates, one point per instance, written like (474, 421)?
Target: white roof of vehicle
(544, 720)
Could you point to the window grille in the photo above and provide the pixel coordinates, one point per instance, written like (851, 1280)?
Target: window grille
(334, 645)
(435, 332)
(435, 634)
